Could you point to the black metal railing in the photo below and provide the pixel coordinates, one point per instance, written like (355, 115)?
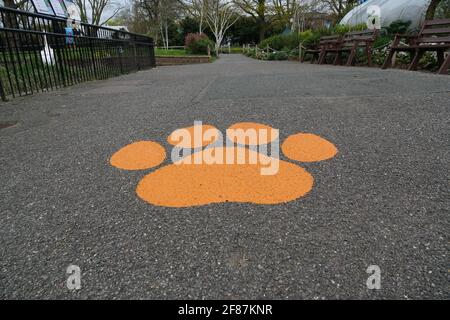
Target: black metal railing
(37, 54)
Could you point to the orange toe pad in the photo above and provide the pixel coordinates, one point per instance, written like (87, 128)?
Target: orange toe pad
(138, 156)
(307, 147)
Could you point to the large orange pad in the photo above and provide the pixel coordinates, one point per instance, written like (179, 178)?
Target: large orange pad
(185, 185)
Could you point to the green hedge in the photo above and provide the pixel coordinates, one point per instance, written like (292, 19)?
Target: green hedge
(287, 42)
(197, 43)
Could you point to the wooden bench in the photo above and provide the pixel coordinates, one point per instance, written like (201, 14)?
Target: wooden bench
(351, 42)
(434, 36)
(324, 43)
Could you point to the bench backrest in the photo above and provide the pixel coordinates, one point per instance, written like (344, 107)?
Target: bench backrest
(435, 31)
(365, 35)
(329, 41)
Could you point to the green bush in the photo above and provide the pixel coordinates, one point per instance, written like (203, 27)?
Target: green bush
(250, 53)
(197, 43)
(292, 40)
(343, 28)
(382, 41)
(429, 61)
(278, 55)
(201, 46)
(310, 38)
(278, 42)
(398, 26)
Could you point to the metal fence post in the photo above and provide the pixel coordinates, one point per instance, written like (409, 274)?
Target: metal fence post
(152, 54)
(2, 91)
(136, 63)
(91, 50)
(120, 59)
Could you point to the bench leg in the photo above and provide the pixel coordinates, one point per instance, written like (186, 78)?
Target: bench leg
(351, 57)
(388, 61)
(315, 58)
(337, 59)
(322, 56)
(440, 57)
(302, 57)
(445, 66)
(369, 54)
(415, 62)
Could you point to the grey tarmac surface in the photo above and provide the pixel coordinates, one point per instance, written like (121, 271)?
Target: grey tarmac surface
(383, 200)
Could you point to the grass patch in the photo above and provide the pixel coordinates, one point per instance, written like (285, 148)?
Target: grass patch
(232, 50)
(174, 52)
(170, 52)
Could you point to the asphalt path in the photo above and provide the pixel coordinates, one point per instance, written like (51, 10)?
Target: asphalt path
(383, 200)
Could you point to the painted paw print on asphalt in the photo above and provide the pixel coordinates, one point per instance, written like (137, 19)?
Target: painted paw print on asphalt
(187, 183)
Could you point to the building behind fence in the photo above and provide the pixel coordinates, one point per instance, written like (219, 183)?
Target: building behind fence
(39, 53)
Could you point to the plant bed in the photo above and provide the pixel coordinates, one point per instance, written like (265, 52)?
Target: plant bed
(179, 60)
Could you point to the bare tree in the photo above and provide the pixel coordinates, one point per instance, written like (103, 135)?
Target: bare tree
(158, 15)
(83, 7)
(147, 15)
(259, 11)
(220, 16)
(292, 11)
(300, 10)
(283, 8)
(339, 7)
(95, 9)
(167, 12)
(196, 9)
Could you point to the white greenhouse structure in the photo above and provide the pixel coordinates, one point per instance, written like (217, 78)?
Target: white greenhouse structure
(390, 11)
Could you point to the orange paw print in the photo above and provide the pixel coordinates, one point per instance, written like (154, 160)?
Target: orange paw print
(189, 182)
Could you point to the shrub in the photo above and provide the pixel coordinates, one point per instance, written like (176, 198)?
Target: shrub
(193, 37)
(278, 55)
(429, 61)
(343, 28)
(310, 38)
(287, 42)
(250, 53)
(398, 26)
(197, 43)
(382, 41)
(278, 42)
